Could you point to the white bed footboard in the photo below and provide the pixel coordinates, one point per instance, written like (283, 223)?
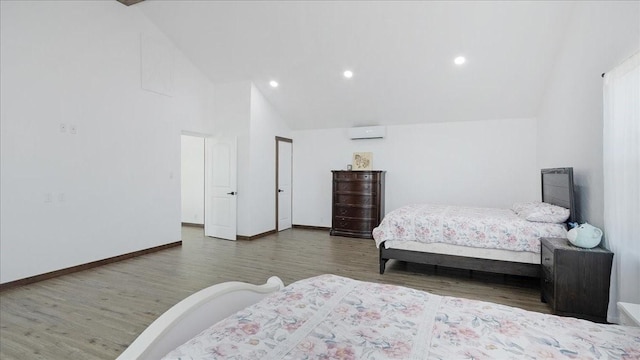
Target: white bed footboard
(197, 312)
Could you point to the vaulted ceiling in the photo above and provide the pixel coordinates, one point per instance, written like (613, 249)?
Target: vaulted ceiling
(401, 55)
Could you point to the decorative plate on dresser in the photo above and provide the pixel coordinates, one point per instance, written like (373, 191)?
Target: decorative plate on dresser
(358, 202)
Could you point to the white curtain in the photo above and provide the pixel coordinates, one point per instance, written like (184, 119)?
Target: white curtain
(621, 155)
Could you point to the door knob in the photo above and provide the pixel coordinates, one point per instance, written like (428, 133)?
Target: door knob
(232, 193)
(280, 190)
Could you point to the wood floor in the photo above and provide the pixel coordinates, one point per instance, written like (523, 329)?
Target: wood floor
(96, 313)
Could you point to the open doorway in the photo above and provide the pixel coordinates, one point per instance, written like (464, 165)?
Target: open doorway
(208, 183)
(192, 183)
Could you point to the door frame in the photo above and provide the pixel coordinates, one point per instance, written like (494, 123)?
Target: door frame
(278, 140)
(202, 136)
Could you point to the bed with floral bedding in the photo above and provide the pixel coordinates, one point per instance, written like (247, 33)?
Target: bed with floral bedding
(468, 226)
(332, 317)
(504, 241)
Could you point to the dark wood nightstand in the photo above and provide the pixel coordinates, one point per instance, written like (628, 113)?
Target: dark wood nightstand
(575, 281)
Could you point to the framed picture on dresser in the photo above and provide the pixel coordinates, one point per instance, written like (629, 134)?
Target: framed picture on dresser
(362, 161)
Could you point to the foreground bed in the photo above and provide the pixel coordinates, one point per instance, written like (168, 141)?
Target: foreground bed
(492, 240)
(332, 317)
(194, 314)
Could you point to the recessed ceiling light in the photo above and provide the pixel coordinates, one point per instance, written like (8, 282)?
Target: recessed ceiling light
(273, 83)
(348, 74)
(459, 60)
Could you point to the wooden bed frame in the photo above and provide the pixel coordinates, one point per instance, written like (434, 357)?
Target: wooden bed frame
(192, 315)
(557, 189)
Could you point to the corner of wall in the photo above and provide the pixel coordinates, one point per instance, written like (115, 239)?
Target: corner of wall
(570, 114)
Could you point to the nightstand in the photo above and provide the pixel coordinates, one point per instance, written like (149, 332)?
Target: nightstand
(575, 281)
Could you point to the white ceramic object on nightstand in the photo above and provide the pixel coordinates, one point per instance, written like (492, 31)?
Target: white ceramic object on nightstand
(629, 314)
(585, 236)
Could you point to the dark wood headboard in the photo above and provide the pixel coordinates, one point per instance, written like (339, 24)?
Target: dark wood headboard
(557, 189)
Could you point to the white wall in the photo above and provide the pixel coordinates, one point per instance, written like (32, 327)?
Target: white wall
(192, 179)
(266, 124)
(114, 186)
(599, 37)
(232, 105)
(480, 163)
(242, 111)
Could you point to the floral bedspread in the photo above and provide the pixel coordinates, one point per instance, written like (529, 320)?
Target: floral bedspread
(465, 226)
(332, 317)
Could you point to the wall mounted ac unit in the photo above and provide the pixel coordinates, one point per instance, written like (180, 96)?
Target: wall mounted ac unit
(367, 132)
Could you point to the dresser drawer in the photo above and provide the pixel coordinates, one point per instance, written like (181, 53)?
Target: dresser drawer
(356, 212)
(355, 199)
(546, 280)
(546, 259)
(546, 285)
(347, 223)
(355, 186)
(354, 175)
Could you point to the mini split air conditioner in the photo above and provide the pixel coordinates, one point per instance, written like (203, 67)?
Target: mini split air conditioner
(367, 132)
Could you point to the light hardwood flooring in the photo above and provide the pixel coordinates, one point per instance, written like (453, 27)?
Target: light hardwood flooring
(97, 313)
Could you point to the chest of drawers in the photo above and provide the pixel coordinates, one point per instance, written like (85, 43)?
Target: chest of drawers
(358, 202)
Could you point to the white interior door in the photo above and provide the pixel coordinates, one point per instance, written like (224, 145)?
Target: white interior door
(284, 184)
(220, 188)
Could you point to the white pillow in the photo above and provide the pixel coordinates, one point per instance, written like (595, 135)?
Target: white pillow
(526, 206)
(541, 212)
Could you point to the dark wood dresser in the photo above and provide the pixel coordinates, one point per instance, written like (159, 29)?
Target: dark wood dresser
(575, 281)
(358, 202)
